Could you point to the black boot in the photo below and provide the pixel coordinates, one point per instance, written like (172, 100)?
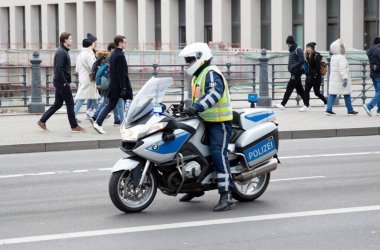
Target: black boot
(224, 203)
(189, 196)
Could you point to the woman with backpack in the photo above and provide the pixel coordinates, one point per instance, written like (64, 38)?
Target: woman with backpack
(313, 76)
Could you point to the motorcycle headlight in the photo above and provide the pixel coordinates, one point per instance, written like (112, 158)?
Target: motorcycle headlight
(157, 127)
(131, 134)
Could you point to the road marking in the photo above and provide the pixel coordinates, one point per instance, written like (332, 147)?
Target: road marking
(299, 178)
(329, 155)
(125, 230)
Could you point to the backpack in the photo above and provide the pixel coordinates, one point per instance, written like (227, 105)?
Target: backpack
(323, 68)
(102, 77)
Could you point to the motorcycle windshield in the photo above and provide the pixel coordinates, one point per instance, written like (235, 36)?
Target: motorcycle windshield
(151, 93)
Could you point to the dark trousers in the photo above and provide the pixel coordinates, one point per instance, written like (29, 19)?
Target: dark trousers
(62, 94)
(106, 110)
(314, 84)
(219, 137)
(294, 83)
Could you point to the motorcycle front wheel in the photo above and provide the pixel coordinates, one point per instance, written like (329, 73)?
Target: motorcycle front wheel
(125, 195)
(251, 189)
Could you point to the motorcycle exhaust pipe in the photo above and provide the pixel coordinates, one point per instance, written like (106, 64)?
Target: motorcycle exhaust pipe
(250, 174)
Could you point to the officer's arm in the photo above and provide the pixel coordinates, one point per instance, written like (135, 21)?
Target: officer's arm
(213, 92)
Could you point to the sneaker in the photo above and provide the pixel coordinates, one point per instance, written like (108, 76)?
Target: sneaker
(330, 113)
(99, 129)
(42, 125)
(89, 114)
(280, 106)
(367, 110)
(78, 129)
(304, 109)
(353, 113)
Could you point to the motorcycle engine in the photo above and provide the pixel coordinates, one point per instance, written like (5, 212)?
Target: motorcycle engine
(192, 169)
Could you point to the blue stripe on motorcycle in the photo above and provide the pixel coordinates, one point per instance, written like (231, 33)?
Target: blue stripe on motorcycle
(258, 117)
(169, 147)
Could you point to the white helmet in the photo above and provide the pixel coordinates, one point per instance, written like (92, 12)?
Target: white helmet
(200, 51)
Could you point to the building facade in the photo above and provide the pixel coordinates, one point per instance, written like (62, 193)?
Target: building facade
(171, 24)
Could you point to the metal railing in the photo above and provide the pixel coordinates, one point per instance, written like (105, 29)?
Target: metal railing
(242, 79)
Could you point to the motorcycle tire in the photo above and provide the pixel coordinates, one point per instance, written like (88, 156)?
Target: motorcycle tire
(248, 191)
(123, 193)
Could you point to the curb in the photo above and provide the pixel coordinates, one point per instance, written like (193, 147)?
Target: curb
(115, 143)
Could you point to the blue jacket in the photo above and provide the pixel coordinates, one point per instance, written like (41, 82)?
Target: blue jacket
(296, 60)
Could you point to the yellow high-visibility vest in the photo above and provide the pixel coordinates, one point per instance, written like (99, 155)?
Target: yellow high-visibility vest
(222, 110)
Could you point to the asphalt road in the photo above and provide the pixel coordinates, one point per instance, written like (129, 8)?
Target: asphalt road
(324, 195)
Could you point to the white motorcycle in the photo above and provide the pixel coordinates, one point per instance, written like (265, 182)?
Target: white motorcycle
(167, 150)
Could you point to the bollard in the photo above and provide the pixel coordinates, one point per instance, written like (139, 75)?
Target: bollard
(36, 105)
(264, 99)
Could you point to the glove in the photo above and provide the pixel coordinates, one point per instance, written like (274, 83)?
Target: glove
(345, 82)
(191, 111)
(123, 94)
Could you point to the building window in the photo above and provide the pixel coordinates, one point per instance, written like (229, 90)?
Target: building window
(333, 24)
(266, 24)
(157, 18)
(298, 23)
(371, 21)
(39, 27)
(235, 22)
(56, 13)
(182, 23)
(208, 20)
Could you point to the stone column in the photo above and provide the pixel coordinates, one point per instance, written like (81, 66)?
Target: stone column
(169, 24)
(195, 21)
(4, 38)
(221, 21)
(316, 23)
(36, 105)
(250, 16)
(264, 99)
(146, 25)
(127, 21)
(80, 22)
(352, 23)
(281, 19)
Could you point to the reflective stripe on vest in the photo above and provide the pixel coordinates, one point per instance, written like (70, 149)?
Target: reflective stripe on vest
(222, 110)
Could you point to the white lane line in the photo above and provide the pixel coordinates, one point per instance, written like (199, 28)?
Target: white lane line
(81, 171)
(299, 178)
(11, 176)
(43, 173)
(114, 231)
(329, 155)
(104, 169)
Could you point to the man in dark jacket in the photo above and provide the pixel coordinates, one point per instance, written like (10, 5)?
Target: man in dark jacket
(373, 54)
(295, 67)
(61, 81)
(120, 86)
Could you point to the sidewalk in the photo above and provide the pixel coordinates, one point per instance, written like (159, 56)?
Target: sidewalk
(20, 133)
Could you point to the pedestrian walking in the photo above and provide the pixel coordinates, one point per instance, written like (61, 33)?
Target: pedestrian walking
(91, 104)
(340, 80)
(61, 82)
(87, 88)
(211, 99)
(118, 111)
(373, 54)
(295, 67)
(313, 76)
(120, 86)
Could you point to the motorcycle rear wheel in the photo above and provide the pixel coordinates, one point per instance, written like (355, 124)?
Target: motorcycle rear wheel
(252, 189)
(124, 194)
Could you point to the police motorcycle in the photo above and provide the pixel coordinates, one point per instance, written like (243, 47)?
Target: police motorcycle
(167, 150)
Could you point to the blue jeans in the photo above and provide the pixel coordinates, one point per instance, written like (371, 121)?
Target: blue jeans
(79, 104)
(376, 99)
(347, 100)
(118, 111)
(92, 104)
(219, 137)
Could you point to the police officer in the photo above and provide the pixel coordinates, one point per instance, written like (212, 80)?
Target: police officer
(211, 99)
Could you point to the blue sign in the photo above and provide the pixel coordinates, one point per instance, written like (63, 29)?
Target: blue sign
(260, 149)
